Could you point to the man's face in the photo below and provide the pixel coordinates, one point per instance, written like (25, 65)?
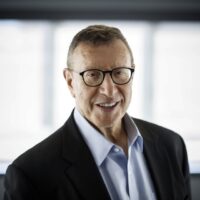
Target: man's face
(104, 105)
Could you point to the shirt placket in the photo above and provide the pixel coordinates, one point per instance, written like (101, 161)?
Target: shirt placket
(132, 184)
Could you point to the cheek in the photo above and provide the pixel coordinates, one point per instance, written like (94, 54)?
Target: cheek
(130, 93)
(127, 96)
(84, 94)
(77, 87)
(127, 93)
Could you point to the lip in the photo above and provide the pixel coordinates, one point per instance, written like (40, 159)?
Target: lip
(107, 106)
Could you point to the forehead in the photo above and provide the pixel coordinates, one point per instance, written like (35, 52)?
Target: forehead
(114, 54)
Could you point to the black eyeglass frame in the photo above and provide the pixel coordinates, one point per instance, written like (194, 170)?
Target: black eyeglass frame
(104, 73)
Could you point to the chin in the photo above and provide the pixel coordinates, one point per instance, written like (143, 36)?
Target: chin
(104, 123)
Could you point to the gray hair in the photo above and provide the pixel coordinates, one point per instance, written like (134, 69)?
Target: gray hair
(97, 35)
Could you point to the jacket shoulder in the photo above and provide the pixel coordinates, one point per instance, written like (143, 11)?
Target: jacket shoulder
(159, 134)
(50, 148)
(154, 128)
(45, 150)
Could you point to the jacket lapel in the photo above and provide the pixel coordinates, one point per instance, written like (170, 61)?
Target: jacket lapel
(156, 161)
(82, 170)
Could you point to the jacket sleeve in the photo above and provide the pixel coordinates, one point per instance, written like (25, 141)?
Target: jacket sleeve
(18, 186)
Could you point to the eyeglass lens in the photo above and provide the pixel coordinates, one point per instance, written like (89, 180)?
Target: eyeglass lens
(95, 77)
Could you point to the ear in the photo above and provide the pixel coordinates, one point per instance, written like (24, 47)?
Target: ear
(69, 80)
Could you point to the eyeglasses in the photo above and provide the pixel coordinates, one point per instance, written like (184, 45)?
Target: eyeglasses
(95, 77)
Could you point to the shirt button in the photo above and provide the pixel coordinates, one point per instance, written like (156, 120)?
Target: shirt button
(116, 149)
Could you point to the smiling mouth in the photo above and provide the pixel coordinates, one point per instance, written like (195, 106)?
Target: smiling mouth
(108, 105)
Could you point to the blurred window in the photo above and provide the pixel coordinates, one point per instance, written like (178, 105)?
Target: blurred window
(35, 101)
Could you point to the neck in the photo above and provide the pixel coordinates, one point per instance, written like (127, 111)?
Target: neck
(116, 135)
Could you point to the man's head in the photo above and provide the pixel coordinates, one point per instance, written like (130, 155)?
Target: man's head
(97, 35)
(102, 98)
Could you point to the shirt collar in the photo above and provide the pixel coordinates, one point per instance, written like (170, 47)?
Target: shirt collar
(134, 135)
(98, 144)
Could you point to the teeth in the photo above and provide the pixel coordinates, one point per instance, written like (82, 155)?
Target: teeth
(107, 104)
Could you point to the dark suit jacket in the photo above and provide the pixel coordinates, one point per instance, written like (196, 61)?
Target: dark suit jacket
(62, 168)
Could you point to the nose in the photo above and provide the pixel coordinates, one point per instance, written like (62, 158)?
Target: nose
(107, 87)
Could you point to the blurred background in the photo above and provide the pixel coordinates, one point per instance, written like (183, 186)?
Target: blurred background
(34, 38)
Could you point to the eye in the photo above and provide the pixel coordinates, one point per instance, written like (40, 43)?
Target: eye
(120, 72)
(93, 74)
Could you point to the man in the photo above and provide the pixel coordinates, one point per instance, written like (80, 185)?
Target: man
(101, 153)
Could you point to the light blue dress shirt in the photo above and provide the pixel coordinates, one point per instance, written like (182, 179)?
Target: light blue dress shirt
(126, 178)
